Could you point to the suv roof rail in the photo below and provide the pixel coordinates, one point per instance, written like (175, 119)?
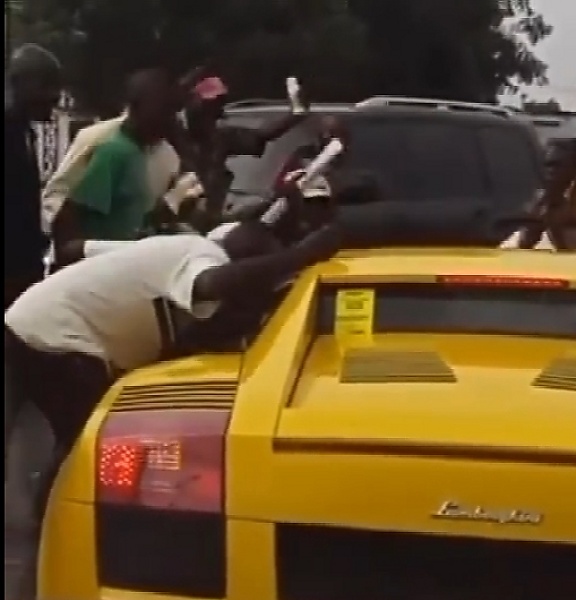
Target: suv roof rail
(248, 102)
(378, 101)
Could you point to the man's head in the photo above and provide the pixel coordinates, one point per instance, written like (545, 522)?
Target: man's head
(205, 103)
(35, 78)
(152, 98)
(245, 240)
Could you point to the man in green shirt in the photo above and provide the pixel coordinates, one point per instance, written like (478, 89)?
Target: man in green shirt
(112, 199)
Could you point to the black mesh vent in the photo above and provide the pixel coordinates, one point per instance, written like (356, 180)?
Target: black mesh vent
(160, 551)
(324, 563)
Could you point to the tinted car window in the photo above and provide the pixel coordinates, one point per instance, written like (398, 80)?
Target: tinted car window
(419, 160)
(256, 175)
(518, 176)
(437, 174)
(245, 168)
(462, 309)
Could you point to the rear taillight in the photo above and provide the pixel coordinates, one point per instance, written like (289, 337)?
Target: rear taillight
(163, 459)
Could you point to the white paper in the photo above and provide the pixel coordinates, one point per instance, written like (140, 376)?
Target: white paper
(332, 149)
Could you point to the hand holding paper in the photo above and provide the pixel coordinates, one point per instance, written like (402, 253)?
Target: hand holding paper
(188, 187)
(304, 184)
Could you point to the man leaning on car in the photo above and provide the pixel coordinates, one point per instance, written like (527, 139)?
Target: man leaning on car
(67, 337)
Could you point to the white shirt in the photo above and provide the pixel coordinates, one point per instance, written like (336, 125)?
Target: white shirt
(107, 306)
(163, 165)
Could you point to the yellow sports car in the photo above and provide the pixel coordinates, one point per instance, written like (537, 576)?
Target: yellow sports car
(403, 428)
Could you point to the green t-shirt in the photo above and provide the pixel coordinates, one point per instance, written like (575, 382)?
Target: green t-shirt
(113, 194)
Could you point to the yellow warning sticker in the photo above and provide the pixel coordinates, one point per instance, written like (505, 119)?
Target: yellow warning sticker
(354, 319)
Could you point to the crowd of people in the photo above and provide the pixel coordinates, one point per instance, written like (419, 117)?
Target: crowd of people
(69, 334)
(100, 312)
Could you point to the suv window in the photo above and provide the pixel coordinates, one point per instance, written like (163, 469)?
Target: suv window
(412, 158)
(461, 176)
(255, 175)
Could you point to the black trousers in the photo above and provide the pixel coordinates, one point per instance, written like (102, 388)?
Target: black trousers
(65, 388)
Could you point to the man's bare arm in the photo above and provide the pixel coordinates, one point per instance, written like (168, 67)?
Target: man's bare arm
(67, 225)
(238, 280)
(276, 129)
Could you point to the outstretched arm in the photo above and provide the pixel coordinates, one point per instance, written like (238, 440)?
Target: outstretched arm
(238, 280)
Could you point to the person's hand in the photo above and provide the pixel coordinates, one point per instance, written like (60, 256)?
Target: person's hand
(68, 253)
(295, 191)
(187, 188)
(321, 244)
(289, 187)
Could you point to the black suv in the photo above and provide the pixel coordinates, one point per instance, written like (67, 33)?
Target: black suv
(447, 172)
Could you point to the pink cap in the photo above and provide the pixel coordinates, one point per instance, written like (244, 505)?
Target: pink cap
(210, 88)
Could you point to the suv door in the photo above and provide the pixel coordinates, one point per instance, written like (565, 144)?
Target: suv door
(514, 164)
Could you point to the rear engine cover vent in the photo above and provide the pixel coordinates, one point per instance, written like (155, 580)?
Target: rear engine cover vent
(558, 375)
(377, 366)
(211, 395)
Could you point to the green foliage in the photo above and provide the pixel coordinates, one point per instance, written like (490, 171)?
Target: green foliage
(343, 49)
(460, 49)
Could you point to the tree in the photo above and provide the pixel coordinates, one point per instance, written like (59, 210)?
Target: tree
(343, 49)
(255, 43)
(458, 49)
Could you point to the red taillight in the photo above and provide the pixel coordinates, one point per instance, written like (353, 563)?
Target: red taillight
(503, 281)
(171, 460)
(120, 467)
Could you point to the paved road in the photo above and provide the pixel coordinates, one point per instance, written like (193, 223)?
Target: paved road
(28, 451)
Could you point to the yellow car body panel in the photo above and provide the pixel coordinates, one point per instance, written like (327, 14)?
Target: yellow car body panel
(302, 447)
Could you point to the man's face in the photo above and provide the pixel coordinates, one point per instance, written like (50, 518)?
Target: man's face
(157, 113)
(40, 93)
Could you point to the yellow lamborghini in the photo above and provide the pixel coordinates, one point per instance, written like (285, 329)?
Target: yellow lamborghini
(402, 428)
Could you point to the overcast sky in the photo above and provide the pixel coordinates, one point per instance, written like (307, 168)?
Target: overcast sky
(559, 51)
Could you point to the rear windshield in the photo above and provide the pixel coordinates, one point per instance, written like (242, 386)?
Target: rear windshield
(439, 160)
(464, 309)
